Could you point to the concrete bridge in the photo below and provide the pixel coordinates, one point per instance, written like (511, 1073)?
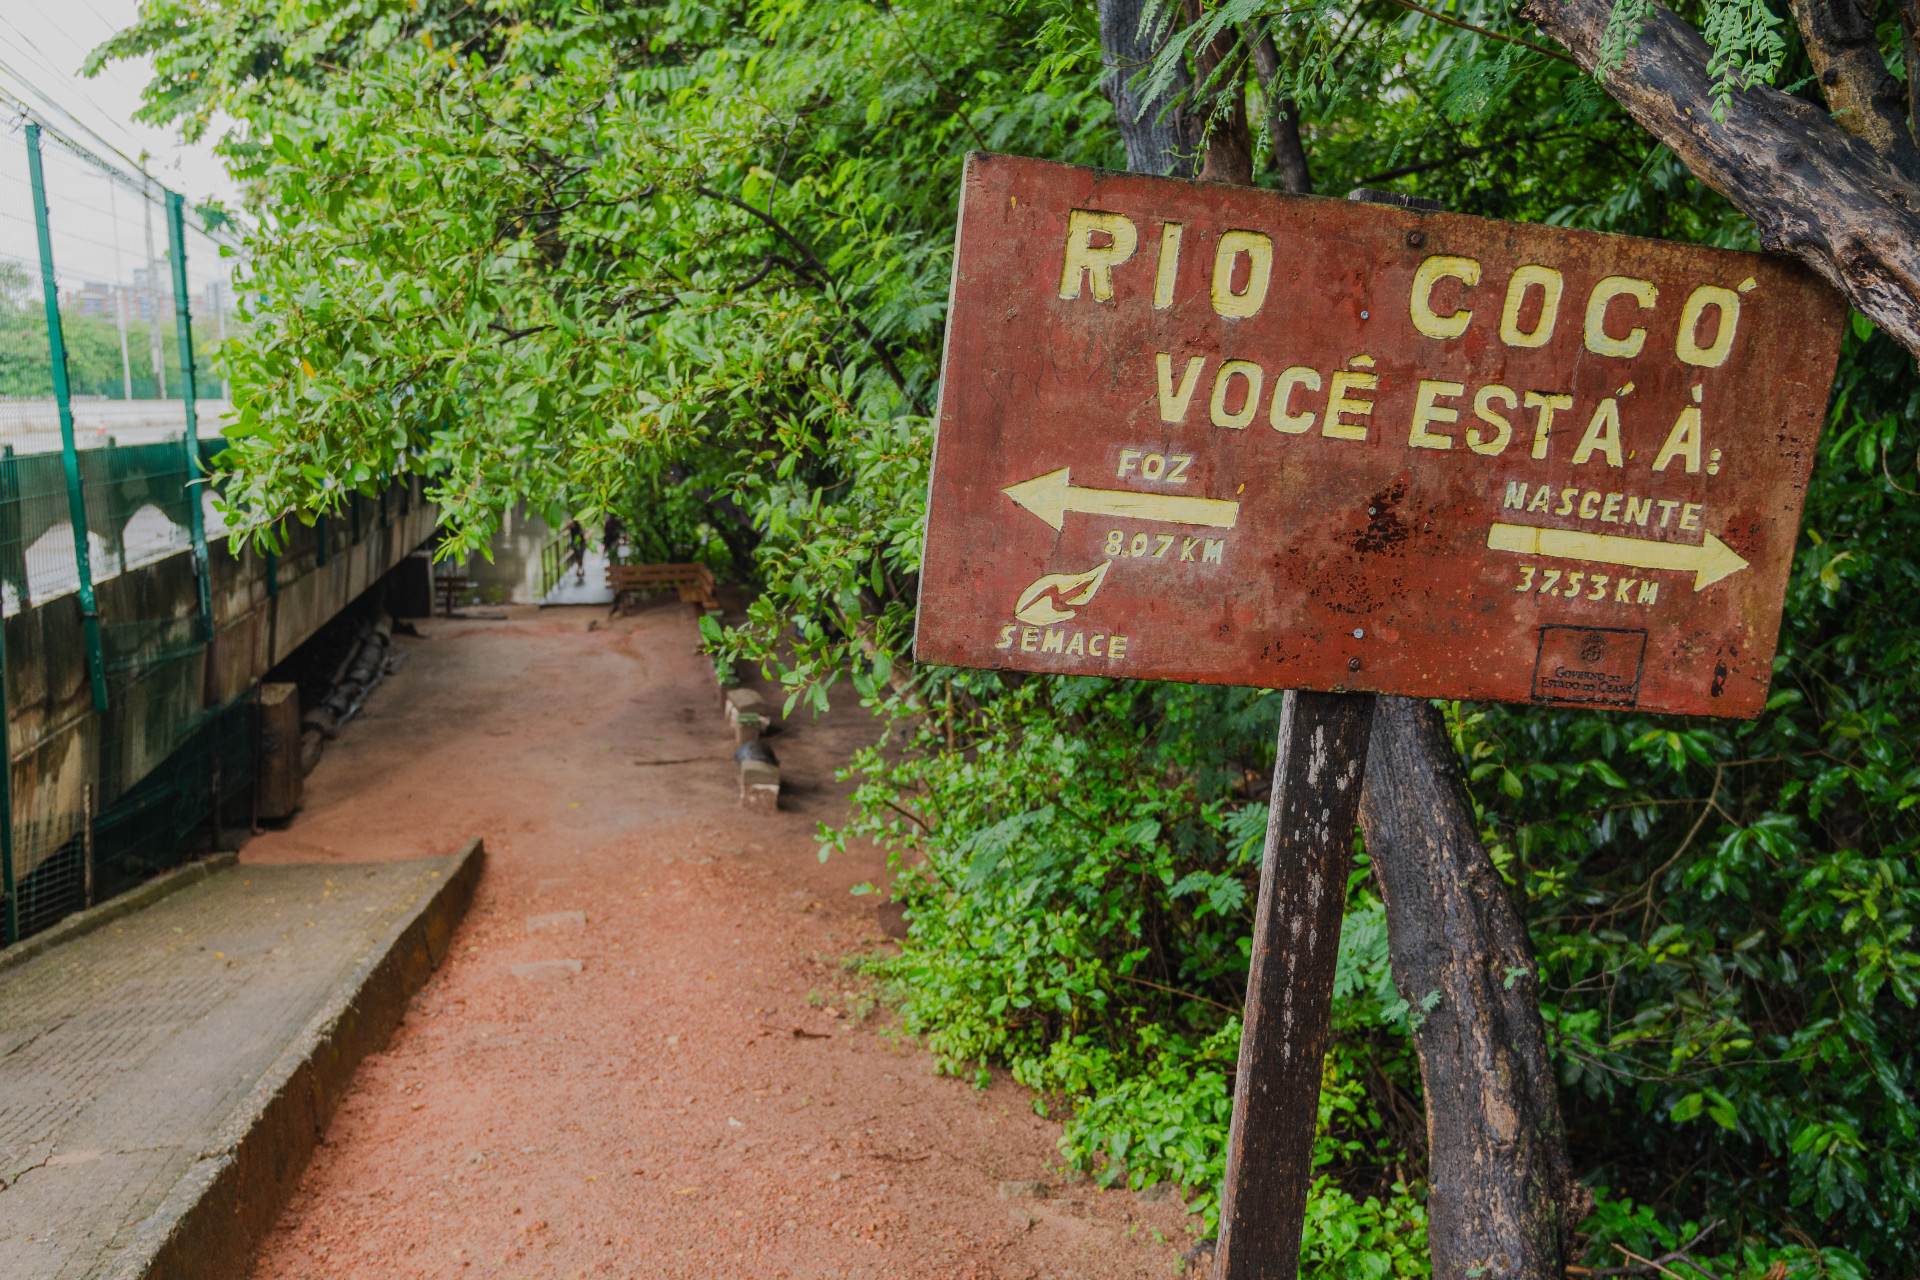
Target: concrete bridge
(178, 684)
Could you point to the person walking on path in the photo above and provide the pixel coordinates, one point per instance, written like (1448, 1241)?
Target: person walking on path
(577, 550)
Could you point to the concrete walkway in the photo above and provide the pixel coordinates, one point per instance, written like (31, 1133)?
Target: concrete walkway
(645, 1057)
(587, 587)
(136, 1061)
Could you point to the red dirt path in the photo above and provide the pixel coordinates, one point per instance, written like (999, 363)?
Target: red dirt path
(655, 1114)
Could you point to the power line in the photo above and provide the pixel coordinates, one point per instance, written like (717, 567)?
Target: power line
(77, 132)
(51, 101)
(145, 184)
(52, 68)
(148, 187)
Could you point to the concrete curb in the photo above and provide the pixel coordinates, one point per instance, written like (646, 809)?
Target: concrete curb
(218, 1214)
(84, 922)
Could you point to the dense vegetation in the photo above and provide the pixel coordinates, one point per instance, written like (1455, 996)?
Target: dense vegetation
(688, 261)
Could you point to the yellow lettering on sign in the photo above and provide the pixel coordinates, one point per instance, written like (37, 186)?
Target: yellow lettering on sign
(1598, 340)
(1258, 247)
(1603, 435)
(1550, 282)
(1431, 272)
(1683, 442)
(1086, 260)
(1174, 402)
(1545, 407)
(1223, 382)
(1282, 417)
(1727, 305)
(1483, 400)
(1339, 403)
(1426, 411)
(1169, 271)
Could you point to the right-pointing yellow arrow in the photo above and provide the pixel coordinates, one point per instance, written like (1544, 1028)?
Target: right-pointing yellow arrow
(1709, 562)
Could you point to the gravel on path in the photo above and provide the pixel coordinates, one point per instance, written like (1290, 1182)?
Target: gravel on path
(645, 1056)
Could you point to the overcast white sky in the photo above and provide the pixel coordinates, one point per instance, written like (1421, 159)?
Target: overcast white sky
(99, 228)
(43, 43)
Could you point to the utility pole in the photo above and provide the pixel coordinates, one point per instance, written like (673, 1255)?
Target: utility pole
(153, 306)
(119, 297)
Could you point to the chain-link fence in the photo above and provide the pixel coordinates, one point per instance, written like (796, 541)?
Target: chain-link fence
(198, 797)
(113, 297)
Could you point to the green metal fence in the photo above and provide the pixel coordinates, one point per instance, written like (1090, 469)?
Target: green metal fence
(112, 296)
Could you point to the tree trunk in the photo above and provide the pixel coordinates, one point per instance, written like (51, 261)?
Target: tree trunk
(1910, 54)
(1863, 96)
(1813, 189)
(1503, 1202)
(1283, 121)
(1218, 67)
(1161, 139)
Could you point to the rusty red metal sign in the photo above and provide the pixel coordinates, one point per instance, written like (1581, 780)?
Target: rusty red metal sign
(1216, 434)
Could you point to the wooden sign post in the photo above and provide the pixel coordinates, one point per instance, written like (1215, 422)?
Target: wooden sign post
(1210, 433)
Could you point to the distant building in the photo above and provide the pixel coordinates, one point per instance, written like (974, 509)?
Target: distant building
(152, 292)
(99, 298)
(94, 298)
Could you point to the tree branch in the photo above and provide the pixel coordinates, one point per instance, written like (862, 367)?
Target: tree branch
(914, 818)
(1864, 97)
(514, 335)
(1175, 991)
(819, 269)
(1651, 1266)
(1465, 153)
(1910, 55)
(1452, 21)
(1812, 189)
(1283, 118)
(965, 119)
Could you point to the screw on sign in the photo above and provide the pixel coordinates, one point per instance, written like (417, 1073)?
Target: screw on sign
(1208, 433)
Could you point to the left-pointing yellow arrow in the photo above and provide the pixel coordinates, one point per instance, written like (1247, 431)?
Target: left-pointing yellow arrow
(1709, 562)
(1052, 495)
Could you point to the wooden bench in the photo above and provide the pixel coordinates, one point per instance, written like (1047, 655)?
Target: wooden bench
(693, 581)
(448, 590)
